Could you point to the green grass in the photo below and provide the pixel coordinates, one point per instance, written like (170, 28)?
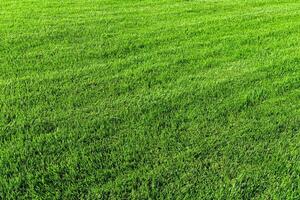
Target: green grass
(139, 99)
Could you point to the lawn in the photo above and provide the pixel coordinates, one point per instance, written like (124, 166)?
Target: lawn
(150, 99)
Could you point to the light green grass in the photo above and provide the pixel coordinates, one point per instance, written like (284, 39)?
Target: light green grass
(139, 99)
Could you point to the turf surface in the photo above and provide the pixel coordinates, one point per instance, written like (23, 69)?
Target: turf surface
(166, 99)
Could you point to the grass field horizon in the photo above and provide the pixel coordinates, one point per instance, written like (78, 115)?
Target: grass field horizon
(166, 99)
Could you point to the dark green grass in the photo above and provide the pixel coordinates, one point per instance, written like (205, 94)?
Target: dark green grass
(150, 99)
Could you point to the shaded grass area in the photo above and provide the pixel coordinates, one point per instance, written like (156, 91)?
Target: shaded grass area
(149, 99)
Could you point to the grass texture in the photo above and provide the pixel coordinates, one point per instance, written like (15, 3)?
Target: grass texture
(150, 99)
